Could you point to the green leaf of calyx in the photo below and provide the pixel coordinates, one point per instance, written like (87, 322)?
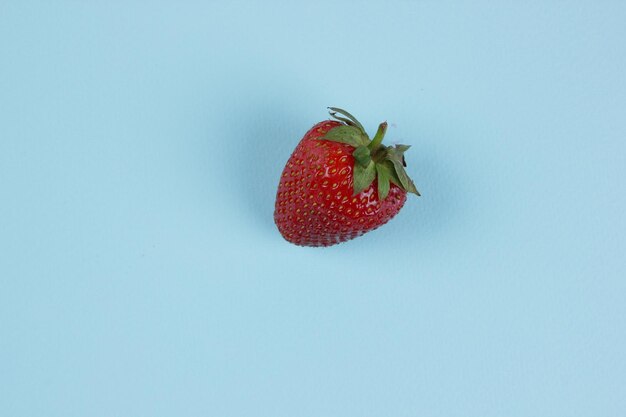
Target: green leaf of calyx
(343, 119)
(363, 176)
(345, 134)
(383, 181)
(362, 155)
(395, 159)
(407, 183)
(402, 148)
(335, 110)
(393, 177)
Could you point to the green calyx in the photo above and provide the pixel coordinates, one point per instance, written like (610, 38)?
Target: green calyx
(372, 159)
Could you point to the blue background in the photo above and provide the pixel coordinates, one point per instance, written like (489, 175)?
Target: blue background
(140, 270)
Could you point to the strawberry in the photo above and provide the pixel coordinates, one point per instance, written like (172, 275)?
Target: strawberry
(338, 184)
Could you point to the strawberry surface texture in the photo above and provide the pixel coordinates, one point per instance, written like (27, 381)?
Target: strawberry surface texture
(338, 184)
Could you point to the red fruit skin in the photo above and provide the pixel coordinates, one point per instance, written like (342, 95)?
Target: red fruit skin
(315, 205)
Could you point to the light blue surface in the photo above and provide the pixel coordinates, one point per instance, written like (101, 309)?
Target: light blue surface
(140, 270)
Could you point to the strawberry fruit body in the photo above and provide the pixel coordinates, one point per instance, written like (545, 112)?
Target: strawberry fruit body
(338, 184)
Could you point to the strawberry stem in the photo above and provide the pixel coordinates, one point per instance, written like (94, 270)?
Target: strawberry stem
(378, 138)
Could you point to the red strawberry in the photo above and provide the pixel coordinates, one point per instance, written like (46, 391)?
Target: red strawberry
(327, 192)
